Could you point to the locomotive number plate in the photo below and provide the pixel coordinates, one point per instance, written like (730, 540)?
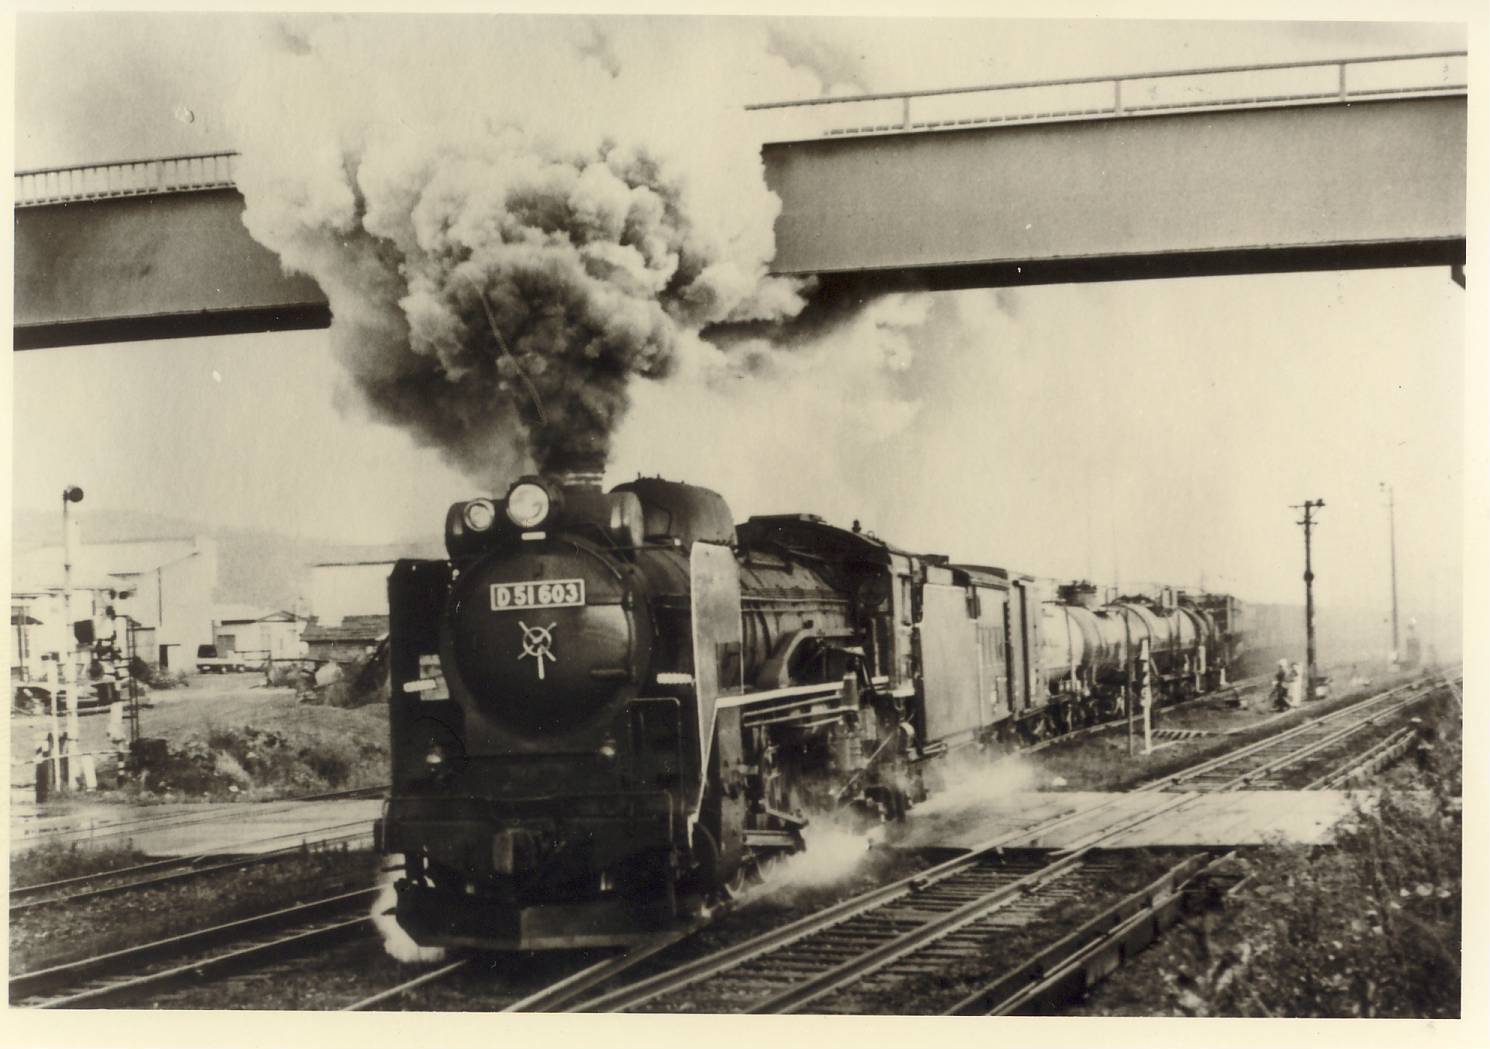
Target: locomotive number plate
(557, 593)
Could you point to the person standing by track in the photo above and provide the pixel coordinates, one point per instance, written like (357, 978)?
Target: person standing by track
(1295, 687)
(1279, 694)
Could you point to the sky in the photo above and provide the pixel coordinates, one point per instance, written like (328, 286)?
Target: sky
(170, 76)
(1131, 431)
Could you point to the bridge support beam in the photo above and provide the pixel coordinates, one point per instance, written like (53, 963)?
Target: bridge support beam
(1337, 186)
(152, 266)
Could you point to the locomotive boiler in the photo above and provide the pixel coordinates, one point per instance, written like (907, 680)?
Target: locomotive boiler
(610, 708)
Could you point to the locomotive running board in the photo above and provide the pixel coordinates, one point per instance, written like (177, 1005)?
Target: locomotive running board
(821, 690)
(787, 818)
(824, 690)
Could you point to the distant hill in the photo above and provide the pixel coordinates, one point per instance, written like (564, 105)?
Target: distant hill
(44, 527)
(267, 569)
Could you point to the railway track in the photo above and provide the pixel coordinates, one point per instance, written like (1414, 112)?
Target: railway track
(1235, 690)
(136, 974)
(850, 957)
(1259, 766)
(553, 997)
(174, 869)
(172, 820)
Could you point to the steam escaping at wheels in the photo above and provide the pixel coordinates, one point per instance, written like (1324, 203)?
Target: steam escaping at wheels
(396, 942)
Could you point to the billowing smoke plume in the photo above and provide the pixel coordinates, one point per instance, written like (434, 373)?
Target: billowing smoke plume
(515, 218)
(522, 222)
(883, 416)
(521, 291)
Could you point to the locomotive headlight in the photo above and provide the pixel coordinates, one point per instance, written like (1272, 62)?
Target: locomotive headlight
(480, 514)
(528, 504)
(435, 757)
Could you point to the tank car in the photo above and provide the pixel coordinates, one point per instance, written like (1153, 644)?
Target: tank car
(1091, 648)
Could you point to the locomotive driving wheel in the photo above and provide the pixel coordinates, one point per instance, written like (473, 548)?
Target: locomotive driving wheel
(1037, 728)
(748, 873)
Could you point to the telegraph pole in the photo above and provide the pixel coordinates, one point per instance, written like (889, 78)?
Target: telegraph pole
(1392, 521)
(1309, 506)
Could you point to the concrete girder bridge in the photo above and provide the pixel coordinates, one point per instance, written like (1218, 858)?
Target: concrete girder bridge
(1335, 164)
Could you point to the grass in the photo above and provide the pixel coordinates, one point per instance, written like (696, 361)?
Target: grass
(1368, 927)
(55, 860)
(51, 935)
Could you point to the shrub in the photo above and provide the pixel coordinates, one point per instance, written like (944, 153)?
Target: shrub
(288, 675)
(154, 677)
(1368, 927)
(228, 762)
(362, 682)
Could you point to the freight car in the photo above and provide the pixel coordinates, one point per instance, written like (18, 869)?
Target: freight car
(609, 708)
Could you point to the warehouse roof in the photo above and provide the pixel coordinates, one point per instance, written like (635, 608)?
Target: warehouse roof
(251, 614)
(352, 628)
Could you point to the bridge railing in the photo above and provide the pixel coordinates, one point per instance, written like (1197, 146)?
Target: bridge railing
(1324, 81)
(126, 178)
(1340, 80)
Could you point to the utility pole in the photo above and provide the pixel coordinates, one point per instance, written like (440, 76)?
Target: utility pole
(1146, 691)
(1392, 521)
(1309, 506)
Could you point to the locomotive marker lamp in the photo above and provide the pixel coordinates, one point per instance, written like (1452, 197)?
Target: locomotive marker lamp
(529, 503)
(480, 514)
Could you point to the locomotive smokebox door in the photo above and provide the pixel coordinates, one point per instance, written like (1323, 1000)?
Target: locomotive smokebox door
(714, 590)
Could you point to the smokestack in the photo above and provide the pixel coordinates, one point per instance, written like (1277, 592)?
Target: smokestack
(589, 479)
(577, 471)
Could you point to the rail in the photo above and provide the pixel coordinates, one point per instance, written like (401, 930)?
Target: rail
(135, 972)
(1119, 95)
(177, 869)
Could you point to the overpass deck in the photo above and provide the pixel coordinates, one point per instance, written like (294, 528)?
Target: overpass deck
(1331, 164)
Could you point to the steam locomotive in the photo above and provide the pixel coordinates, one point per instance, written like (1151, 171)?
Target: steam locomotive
(608, 708)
